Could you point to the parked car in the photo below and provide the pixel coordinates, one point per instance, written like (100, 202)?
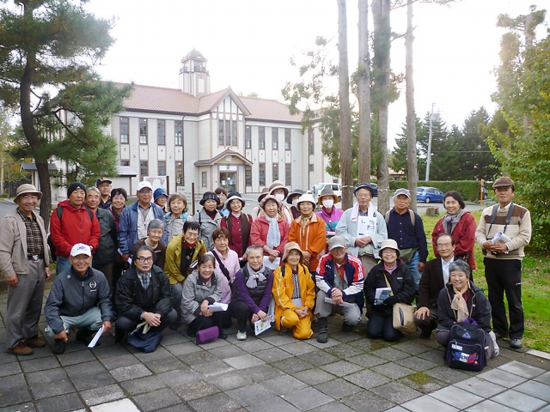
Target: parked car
(429, 194)
(375, 189)
(336, 188)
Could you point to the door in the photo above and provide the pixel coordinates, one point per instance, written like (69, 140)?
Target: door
(228, 180)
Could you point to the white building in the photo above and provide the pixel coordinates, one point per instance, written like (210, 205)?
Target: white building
(213, 139)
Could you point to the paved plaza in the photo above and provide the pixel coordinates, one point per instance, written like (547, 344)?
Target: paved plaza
(273, 372)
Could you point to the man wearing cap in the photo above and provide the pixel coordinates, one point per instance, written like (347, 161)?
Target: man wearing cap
(104, 185)
(24, 261)
(134, 220)
(363, 228)
(340, 277)
(208, 217)
(74, 299)
(407, 229)
(503, 231)
(71, 223)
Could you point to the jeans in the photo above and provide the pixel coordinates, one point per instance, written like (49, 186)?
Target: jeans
(413, 266)
(62, 265)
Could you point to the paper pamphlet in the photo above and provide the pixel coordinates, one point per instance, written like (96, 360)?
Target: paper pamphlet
(381, 295)
(272, 265)
(366, 226)
(344, 303)
(218, 307)
(96, 337)
(500, 238)
(261, 326)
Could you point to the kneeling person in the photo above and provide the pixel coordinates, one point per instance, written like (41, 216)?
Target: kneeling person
(340, 277)
(294, 293)
(74, 299)
(143, 294)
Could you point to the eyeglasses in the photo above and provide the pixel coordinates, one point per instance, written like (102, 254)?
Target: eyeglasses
(444, 246)
(142, 259)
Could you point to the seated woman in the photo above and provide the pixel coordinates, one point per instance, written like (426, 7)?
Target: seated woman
(203, 287)
(155, 230)
(227, 265)
(251, 296)
(461, 299)
(182, 254)
(177, 215)
(270, 231)
(393, 273)
(294, 293)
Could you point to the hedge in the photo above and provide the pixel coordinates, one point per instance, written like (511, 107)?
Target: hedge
(469, 189)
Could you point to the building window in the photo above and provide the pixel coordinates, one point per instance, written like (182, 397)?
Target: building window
(261, 174)
(275, 137)
(125, 163)
(162, 168)
(178, 132)
(311, 168)
(220, 133)
(311, 142)
(161, 133)
(261, 137)
(234, 132)
(204, 179)
(248, 137)
(143, 169)
(248, 175)
(287, 139)
(288, 174)
(275, 171)
(228, 132)
(142, 131)
(124, 130)
(179, 173)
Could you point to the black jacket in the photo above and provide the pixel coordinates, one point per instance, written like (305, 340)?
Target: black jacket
(401, 282)
(478, 308)
(131, 299)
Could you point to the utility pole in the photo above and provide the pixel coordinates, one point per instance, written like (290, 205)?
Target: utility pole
(429, 146)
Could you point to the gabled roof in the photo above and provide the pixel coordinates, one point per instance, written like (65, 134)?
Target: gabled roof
(161, 100)
(212, 100)
(268, 110)
(226, 152)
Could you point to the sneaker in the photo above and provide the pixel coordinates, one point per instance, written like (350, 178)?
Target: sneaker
(495, 344)
(241, 336)
(21, 349)
(347, 328)
(515, 343)
(59, 347)
(35, 342)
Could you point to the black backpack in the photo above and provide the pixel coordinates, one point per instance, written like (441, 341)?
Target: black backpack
(59, 211)
(466, 347)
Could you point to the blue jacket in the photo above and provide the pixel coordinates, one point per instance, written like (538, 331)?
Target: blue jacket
(127, 230)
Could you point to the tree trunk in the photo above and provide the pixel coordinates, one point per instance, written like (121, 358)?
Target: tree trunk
(382, 44)
(363, 95)
(412, 167)
(345, 111)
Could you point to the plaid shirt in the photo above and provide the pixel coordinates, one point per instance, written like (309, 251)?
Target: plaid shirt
(144, 278)
(35, 245)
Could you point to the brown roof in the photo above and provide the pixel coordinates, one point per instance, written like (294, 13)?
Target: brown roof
(159, 99)
(269, 110)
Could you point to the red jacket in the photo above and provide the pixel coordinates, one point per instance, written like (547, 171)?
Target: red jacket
(464, 235)
(75, 227)
(259, 229)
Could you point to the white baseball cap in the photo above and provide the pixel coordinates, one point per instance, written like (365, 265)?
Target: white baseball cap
(144, 184)
(81, 249)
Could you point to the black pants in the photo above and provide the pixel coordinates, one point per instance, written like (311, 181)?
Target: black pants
(128, 325)
(241, 312)
(505, 276)
(429, 323)
(205, 322)
(381, 326)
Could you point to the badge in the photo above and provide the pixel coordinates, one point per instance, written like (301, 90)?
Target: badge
(93, 284)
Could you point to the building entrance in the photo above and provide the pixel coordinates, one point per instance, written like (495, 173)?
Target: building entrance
(228, 180)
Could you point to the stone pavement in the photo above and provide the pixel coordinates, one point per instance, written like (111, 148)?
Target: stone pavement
(273, 372)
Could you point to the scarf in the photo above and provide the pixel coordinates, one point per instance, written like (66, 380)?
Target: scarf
(254, 276)
(355, 211)
(460, 305)
(450, 221)
(273, 234)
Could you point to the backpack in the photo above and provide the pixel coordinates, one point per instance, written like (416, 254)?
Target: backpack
(466, 347)
(59, 211)
(411, 214)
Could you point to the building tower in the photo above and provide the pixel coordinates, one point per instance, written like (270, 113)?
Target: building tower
(194, 78)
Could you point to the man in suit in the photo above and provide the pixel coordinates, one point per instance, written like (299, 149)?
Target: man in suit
(434, 277)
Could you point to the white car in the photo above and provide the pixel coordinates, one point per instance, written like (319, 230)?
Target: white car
(336, 188)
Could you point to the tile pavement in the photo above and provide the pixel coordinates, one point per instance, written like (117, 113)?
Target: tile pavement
(273, 372)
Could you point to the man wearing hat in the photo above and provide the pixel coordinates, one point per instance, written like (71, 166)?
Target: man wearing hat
(503, 231)
(71, 223)
(407, 229)
(339, 277)
(80, 298)
(104, 185)
(208, 217)
(134, 220)
(24, 261)
(363, 228)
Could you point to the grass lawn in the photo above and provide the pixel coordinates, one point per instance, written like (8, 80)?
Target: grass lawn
(535, 289)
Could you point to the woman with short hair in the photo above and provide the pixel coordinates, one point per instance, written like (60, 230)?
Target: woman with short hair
(176, 216)
(155, 230)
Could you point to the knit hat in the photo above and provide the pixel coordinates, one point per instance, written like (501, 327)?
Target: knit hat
(289, 247)
(232, 196)
(27, 188)
(158, 193)
(73, 186)
(209, 195)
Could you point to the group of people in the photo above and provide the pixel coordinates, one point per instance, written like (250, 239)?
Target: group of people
(151, 263)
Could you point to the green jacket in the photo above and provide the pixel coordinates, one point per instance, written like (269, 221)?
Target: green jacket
(173, 259)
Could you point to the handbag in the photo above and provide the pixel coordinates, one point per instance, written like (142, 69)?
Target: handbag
(402, 315)
(207, 335)
(146, 341)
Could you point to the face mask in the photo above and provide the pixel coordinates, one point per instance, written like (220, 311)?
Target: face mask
(328, 203)
(280, 197)
(295, 203)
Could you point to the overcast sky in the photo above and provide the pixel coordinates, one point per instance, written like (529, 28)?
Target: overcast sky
(248, 45)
